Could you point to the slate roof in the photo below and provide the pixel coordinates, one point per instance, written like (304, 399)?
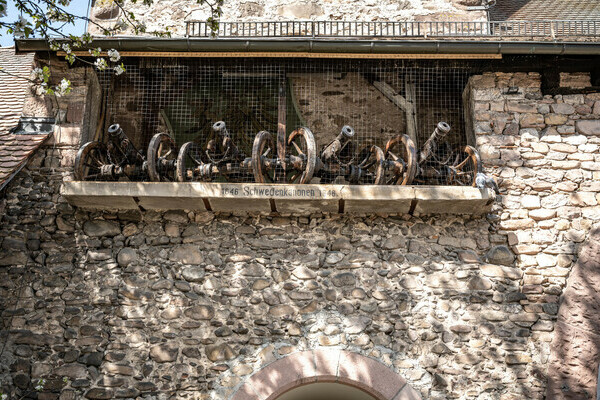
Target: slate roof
(587, 10)
(14, 149)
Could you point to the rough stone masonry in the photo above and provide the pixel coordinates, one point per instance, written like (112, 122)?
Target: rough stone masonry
(182, 304)
(174, 13)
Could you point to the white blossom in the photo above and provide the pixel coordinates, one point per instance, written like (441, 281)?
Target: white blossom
(19, 28)
(86, 38)
(114, 55)
(37, 74)
(52, 14)
(66, 48)
(54, 45)
(40, 90)
(101, 64)
(121, 25)
(119, 70)
(95, 52)
(40, 385)
(64, 87)
(3, 396)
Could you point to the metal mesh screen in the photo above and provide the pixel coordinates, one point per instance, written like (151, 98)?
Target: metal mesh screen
(379, 99)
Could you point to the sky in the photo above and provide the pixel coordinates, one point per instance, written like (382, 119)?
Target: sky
(77, 7)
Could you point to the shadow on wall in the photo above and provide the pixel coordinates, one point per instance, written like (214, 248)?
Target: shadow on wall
(411, 292)
(429, 342)
(573, 370)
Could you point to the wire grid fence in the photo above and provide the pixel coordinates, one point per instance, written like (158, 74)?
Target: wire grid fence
(379, 99)
(395, 29)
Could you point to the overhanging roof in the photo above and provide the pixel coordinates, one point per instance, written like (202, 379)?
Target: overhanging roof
(338, 46)
(15, 149)
(587, 10)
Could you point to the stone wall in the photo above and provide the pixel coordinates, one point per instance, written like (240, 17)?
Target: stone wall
(180, 303)
(546, 148)
(188, 305)
(173, 13)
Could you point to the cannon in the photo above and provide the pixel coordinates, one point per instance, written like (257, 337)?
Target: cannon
(223, 160)
(220, 160)
(455, 169)
(292, 160)
(301, 163)
(431, 165)
(341, 149)
(340, 159)
(96, 161)
(337, 159)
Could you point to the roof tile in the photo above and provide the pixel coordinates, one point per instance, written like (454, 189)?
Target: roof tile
(14, 149)
(587, 10)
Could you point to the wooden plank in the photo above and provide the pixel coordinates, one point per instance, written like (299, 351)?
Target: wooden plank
(294, 101)
(391, 94)
(369, 199)
(404, 104)
(281, 124)
(208, 54)
(242, 198)
(411, 115)
(167, 122)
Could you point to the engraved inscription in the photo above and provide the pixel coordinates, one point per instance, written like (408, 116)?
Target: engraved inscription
(282, 192)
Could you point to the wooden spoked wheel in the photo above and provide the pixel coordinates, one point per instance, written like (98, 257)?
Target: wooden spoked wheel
(92, 163)
(303, 156)
(372, 165)
(188, 161)
(162, 156)
(465, 172)
(263, 158)
(401, 157)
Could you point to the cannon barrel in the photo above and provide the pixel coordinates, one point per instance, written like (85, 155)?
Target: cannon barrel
(440, 131)
(118, 138)
(220, 128)
(338, 143)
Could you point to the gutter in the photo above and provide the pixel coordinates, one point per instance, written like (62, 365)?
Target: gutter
(339, 46)
(15, 172)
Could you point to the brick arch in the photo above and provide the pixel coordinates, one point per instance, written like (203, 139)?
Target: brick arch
(325, 365)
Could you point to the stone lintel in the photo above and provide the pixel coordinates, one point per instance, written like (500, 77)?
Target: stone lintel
(263, 198)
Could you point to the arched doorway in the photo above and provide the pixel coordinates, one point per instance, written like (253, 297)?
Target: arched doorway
(326, 391)
(298, 374)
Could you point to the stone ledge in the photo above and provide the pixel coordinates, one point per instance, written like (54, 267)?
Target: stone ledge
(297, 199)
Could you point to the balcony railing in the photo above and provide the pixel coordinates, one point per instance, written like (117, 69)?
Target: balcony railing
(398, 29)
